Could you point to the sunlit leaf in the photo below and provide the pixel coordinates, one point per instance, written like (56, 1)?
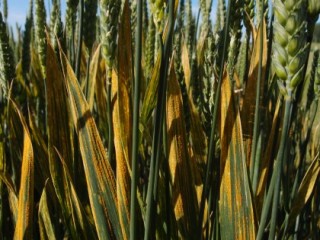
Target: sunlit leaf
(24, 226)
(93, 74)
(122, 119)
(99, 175)
(235, 204)
(184, 199)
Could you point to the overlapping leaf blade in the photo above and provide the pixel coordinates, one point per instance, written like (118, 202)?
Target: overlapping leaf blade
(99, 175)
(236, 206)
(58, 128)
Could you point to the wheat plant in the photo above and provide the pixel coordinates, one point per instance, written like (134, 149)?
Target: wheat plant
(160, 120)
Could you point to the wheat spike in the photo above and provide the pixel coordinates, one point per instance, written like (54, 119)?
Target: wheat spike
(7, 69)
(40, 35)
(109, 25)
(289, 44)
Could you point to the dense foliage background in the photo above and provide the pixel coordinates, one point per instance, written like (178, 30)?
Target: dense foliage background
(141, 120)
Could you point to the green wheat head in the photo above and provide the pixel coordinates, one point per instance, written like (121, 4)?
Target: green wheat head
(109, 25)
(249, 12)
(289, 44)
(157, 8)
(7, 69)
(71, 16)
(89, 23)
(40, 33)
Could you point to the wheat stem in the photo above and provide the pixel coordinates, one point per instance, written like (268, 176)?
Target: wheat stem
(135, 134)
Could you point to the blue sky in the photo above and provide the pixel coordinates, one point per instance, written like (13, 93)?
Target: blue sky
(17, 10)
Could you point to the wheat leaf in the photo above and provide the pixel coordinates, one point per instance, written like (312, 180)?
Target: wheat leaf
(235, 207)
(45, 223)
(247, 113)
(184, 199)
(23, 229)
(305, 190)
(58, 128)
(99, 175)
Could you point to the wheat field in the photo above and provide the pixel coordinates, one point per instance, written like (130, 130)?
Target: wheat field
(160, 119)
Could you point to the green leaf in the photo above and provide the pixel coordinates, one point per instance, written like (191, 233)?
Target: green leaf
(45, 224)
(305, 190)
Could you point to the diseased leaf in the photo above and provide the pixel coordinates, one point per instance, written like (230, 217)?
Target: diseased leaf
(101, 96)
(124, 85)
(99, 175)
(248, 109)
(93, 74)
(59, 133)
(122, 119)
(186, 66)
(199, 139)
(23, 229)
(45, 223)
(82, 221)
(235, 204)
(122, 154)
(184, 199)
(41, 158)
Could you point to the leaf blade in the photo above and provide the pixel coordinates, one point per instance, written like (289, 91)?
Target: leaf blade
(99, 175)
(236, 206)
(24, 224)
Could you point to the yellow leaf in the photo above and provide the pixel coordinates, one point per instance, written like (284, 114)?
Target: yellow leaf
(24, 224)
(99, 175)
(183, 192)
(247, 113)
(93, 74)
(236, 221)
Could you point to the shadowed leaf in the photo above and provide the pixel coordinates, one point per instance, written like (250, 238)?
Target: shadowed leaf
(82, 222)
(59, 133)
(45, 222)
(305, 190)
(248, 109)
(13, 199)
(267, 157)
